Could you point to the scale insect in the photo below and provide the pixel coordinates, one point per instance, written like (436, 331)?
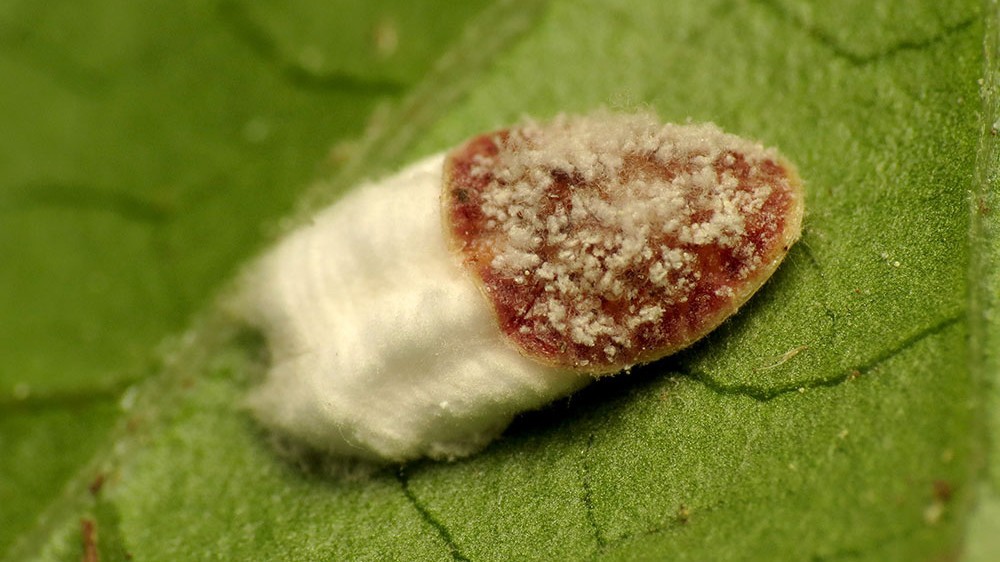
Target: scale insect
(419, 314)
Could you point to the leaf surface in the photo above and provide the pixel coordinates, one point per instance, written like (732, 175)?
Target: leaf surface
(838, 415)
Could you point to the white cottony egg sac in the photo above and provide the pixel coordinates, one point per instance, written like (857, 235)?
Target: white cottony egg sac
(419, 314)
(382, 345)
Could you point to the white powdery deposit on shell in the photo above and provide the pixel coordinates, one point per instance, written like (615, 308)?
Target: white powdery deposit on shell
(601, 235)
(382, 347)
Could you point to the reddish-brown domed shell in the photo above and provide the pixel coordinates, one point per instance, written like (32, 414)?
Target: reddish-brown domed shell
(610, 240)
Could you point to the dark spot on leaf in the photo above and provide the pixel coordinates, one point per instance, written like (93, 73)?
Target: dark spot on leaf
(88, 532)
(96, 484)
(943, 491)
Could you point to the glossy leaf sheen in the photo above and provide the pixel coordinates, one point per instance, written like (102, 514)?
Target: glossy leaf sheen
(837, 415)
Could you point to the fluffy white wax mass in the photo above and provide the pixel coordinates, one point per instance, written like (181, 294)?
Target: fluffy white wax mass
(382, 346)
(419, 314)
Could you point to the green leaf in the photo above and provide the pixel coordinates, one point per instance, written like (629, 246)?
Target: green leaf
(146, 148)
(844, 412)
(984, 303)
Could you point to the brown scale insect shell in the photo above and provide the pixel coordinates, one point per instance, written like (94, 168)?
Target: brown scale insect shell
(717, 293)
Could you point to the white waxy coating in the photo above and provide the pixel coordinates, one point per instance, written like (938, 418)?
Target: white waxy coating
(382, 346)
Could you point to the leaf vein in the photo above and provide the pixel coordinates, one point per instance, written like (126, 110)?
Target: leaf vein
(264, 46)
(766, 395)
(428, 517)
(588, 498)
(860, 58)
